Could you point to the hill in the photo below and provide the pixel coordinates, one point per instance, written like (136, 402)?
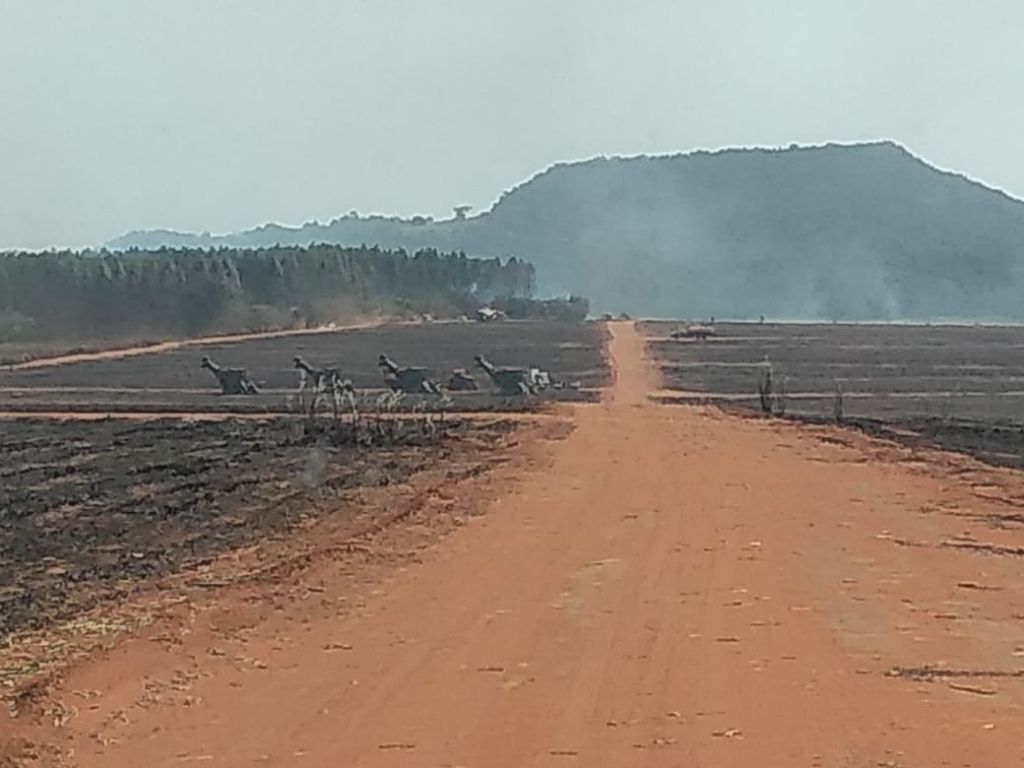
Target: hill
(858, 232)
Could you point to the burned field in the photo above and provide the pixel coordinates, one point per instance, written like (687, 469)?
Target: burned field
(958, 387)
(173, 382)
(97, 510)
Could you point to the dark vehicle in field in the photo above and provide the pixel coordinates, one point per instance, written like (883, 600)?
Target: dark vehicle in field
(410, 380)
(697, 331)
(233, 381)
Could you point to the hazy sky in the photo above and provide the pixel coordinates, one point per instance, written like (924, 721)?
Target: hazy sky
(223, 114)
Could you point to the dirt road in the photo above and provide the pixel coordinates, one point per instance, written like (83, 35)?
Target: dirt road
(166, 346)
(670, 587)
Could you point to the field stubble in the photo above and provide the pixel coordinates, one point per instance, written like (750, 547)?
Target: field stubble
(955, 387)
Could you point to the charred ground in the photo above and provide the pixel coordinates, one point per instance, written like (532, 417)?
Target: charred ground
(958, 387)
(96, 511)
(93, 509)
(172, 381)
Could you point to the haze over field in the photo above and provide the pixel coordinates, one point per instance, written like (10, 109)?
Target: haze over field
(129, 115)
(864, 232)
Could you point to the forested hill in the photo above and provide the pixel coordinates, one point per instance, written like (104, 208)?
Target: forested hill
(835, 232)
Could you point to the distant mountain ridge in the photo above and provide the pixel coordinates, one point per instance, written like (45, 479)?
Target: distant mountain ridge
(833, 232)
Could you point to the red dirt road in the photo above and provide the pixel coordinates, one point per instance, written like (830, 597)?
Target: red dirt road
(166, 346)
(669, 587)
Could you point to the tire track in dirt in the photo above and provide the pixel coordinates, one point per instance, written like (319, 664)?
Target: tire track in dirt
(676, 587)
(168, 346)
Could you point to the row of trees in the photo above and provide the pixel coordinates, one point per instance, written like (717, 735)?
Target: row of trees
(87, 294)
(569, 309)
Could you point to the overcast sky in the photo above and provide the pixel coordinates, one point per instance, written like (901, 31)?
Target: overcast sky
(224, 114)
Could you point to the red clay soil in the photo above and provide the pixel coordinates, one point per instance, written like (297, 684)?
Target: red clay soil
(667, 586)
(166, 346)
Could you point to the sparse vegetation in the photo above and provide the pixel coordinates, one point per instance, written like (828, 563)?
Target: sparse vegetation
(765, 388)
(772, 390)
(837, 403)
(781, 394)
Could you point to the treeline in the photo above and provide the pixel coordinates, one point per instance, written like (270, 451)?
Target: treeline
(87, 294)
(570, 309)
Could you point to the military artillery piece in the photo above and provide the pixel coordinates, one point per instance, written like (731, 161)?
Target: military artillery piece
(233, 381)
(411, 381)
(515, 381)
(322, 381)
(697, 331)
(489, 315)
(462, 381)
